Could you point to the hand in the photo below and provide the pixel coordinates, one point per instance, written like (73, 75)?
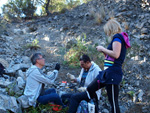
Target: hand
(82, 89)
(73, 80)
(57, 67)
(100, 48)
(70, 76)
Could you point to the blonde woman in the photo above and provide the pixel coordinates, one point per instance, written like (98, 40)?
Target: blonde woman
(111, 76)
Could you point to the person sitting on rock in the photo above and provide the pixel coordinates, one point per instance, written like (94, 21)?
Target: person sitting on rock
(88, 73)
(34, 89)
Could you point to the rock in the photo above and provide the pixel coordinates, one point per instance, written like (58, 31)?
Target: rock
(21, 82)
(23, 101)
(4, 84)
(26, 59)
(20, 66)
(140, 95)
(33, 28)
(50, 20)
(2, 90)
(105, 111)
(21, 74)
(55, 18)
(9, 103)
(144, 31)
(140, 25)
(18, 31)
(4, 62)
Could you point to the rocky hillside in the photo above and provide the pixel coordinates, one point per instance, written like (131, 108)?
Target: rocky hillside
(57, 32)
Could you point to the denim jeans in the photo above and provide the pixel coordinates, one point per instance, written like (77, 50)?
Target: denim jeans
(75, 100)
(66, 98)
(50, 95)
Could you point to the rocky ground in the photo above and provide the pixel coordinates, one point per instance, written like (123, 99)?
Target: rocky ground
(57, 32)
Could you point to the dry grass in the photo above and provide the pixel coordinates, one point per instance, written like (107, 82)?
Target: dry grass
(98, 15)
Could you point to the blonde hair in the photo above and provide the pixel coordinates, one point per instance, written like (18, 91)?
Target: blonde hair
(112, 27)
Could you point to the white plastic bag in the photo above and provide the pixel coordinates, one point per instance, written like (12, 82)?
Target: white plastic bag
(91, 107)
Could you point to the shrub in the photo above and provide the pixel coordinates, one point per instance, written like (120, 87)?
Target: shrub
(72, 56)
(15, 9)
(10, 90)
(74, 53)
(33, 45)
(131, 93)
(98, 15)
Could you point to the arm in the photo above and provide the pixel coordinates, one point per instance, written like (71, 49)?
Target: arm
(46, 80)
(115, 53)
(53, 75)
(78, 79)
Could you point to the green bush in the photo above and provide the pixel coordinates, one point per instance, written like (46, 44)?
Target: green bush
(131, 93)
(14, 10)
(10, 90)
(33, 45)
(2, 25)
(72, 56)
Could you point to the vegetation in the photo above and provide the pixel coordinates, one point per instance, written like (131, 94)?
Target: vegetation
(44, 109)
(131, 93)
(10, 90)
(73, 54)
(51, 6)
(98, 15)
(33, 45)
(2, 25)
(15, 9)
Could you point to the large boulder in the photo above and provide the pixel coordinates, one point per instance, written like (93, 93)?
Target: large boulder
(9, 103)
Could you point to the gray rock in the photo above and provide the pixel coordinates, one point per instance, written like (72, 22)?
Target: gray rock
(4, 84)
(18, 31)
(2, 90)
(145, 37)
(20, 66)
(140, 95)
(26, 59)
(9, 103)
(21, 74)
(23, 101)
(105, 111)
(21, 82)
(144, 31)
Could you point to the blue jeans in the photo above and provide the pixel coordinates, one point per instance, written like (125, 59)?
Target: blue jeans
(50, 95)
(75, 101)
(66, 98)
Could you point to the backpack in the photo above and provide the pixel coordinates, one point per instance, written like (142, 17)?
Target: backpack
(86, 107)
(83, 107)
